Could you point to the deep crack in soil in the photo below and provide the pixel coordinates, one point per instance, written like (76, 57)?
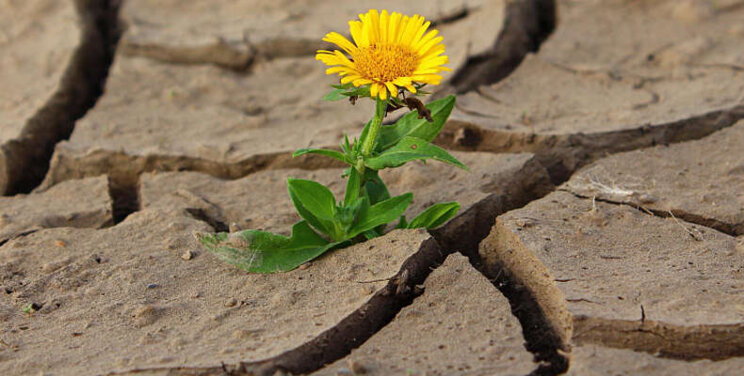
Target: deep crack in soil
(528, 25)
(124, 193)
(465, 233)
(715, 342)
(24, 161)
(564, 154)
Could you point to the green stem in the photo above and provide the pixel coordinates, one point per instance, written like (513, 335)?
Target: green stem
(369, 143)
(374, 130)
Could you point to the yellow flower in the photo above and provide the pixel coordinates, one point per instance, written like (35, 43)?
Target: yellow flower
(389, 51)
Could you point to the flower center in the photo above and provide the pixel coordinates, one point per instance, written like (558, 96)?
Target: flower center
(386, 62)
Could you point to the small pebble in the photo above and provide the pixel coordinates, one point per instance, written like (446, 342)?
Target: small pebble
(524, 222)
(50, 267)
(305, 265)
(188, 255)
(233, 227)
(152, 286)
(648, 199)
(242, 334)
(145, 315)
(165, 359)
(343, 371)
(232, 302)
(356, 367)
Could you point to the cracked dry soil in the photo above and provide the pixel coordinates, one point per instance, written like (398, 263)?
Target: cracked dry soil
(601, 229)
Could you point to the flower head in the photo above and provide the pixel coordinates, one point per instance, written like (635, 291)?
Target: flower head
(389, 51)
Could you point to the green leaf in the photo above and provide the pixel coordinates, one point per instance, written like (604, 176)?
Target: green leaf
(402, 223)
(362, 137)
(374, 187)
(346, 146)
(362, 91)
(381, 213)
(346, 86)
(303, 237)
(335, 154)
(345, 91)
(314, 196)
(314, 203)
(435, 215)
(264, 252)
(411, 125)
(371, 234)
(376, 190)
(353, 186)
(410, 149)
(335, 95)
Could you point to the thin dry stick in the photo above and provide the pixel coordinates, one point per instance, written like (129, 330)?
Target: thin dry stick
(736, 67)
(377, 280)
(695, 235)
(646, 210)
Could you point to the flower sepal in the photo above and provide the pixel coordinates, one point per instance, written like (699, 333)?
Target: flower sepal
(347, 91)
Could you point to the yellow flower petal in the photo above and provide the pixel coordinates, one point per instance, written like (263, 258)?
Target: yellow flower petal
(433, 62)
(428, 46)
(340, 41)
(373, 18)
(361, 81)
(426, 39)
(384, 25)
(374, 89)
(392, 88)
(347, 79)
(355, 27)
(333, 70)
(402, 81)
(419, 33)
(387, 51)
(393, 26)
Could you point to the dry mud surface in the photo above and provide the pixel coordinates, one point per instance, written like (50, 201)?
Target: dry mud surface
(38, 39)
(54, 56)
(615, 75)
(602, 222)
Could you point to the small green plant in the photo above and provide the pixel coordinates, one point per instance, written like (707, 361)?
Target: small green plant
(392, 59)
(29, 308)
